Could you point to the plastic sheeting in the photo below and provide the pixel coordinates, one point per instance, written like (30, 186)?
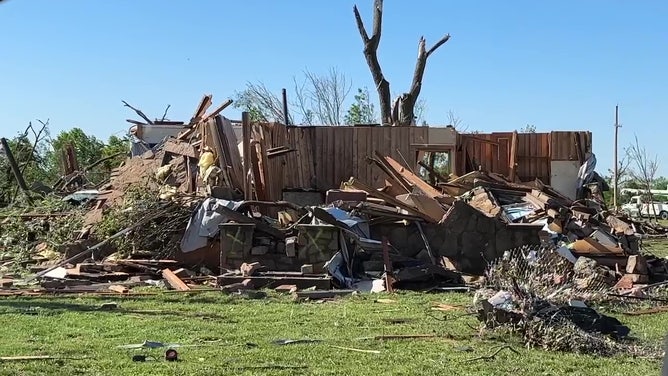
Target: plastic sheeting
(203, 224)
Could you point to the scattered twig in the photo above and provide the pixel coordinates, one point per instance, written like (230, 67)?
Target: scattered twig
(103, 159)
(648, 298)
(37, 357)
(647, 311)
(494, 354)
(357, 350)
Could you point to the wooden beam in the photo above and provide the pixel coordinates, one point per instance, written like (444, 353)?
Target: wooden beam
(246, 141)
(205, 103)
(218, 110)
(174, 280)
(512, 165)
(413, 179)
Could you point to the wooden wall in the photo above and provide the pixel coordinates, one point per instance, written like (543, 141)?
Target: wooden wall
(327, 156)
(534, 153)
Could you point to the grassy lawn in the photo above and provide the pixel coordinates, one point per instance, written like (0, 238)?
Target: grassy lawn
(235, 336)
(238, 334)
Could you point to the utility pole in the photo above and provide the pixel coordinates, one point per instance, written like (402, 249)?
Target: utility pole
(616, 170)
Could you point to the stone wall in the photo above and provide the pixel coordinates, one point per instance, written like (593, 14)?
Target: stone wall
(468, 238)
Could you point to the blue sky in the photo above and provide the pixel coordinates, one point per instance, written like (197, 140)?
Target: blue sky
(560, 65)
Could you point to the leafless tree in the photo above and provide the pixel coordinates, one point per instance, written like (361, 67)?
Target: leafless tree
(260, 102)
(317, 99)
(646, 167)
(623, 169)
(321, 97)
(455, 121)
(402, 113)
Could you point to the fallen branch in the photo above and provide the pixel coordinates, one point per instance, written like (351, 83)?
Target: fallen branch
(648, 311)
(103, 160)
(494, 354)
(141, 114)
(90, 250)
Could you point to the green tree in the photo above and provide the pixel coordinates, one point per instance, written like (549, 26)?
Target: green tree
(116, 149)
(89, 150)
(529, 128)
(29, 152)
(660, 183)
(362, 110)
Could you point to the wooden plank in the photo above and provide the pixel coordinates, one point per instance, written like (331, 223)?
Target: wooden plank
(180, 148)
(258, 176)
(413, 179)
(265, 280)
(428, 206)
(204, 104)
(353, 183)
(317, 294)
(512, 165)
(246, 139)
(174, 280)
(231, 152)
(218, 110)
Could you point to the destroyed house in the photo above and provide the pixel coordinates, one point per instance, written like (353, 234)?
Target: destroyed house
(319, 158)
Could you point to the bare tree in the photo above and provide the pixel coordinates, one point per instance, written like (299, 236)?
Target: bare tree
(419, 111)
(403, 111)
(318, 99)
(261, 103)
(455, 121)
(321, 98)
(623, 170)
(646, 167)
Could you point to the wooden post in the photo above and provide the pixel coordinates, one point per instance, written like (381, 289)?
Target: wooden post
(15, 169)
(246, 139)
(615, 186)
(285, 107)
(389, 273)
(512, 165)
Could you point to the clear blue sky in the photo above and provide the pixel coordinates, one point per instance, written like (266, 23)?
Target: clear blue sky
(560, 65)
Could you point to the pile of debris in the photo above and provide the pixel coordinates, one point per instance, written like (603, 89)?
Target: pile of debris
(195, 194)
(537, 293)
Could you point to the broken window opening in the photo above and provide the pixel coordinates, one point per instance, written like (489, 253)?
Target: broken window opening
(434, 166)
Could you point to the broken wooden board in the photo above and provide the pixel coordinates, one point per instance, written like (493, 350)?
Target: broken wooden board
(119, 289)
(413, 179)
(390, 200)
(180, 148)
(321, 294)
(272, 281)
(174, 280)
(204, 104)
(428, 206)
(591, 247)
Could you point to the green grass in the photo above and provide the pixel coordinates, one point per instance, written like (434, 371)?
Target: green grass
(656, 247)
(71, 327)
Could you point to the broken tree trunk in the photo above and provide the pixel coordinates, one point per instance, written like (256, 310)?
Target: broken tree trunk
(371, 55)
(404, 109)
(405, 114)
(15, 169)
